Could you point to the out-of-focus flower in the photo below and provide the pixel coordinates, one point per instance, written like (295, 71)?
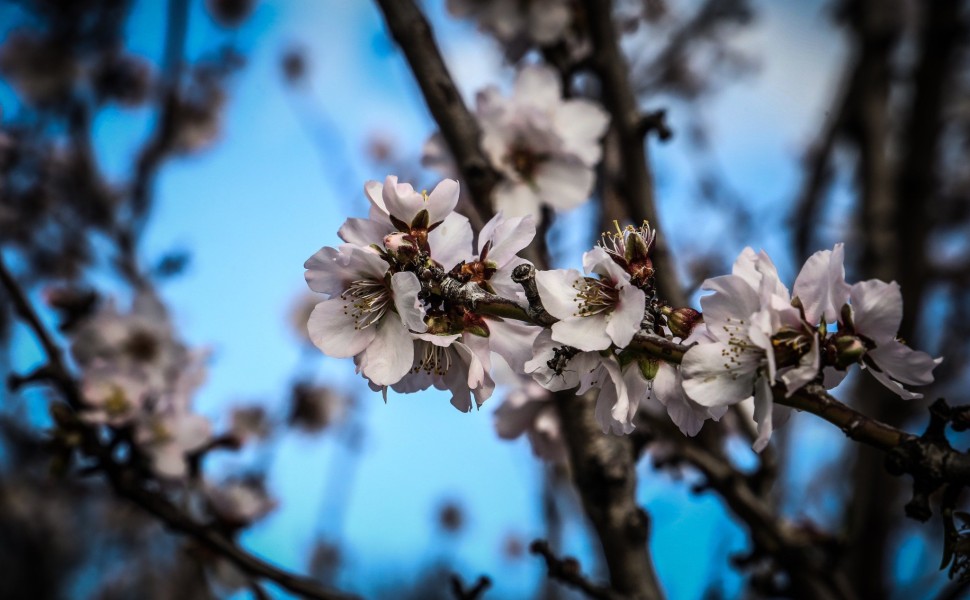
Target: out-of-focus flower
(112, 396)
(230, 13)
(240, 502)
(593, 312)
(518, 24)
(249, 423)
(169, 437)
(545, 148)
(529, 409)
(42, 70)
(315, 407)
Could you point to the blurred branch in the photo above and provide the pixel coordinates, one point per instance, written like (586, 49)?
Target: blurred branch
(55, 370)
(567, 571)
(473, 593)
(635, 181)
(127, 485)
(807, 557)
(412, 32)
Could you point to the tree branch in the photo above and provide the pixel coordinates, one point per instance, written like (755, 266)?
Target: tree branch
(567, 571)
(412, 32)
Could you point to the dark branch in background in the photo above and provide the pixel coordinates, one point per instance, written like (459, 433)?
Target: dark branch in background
(473, 593)
(809, 559)
(127, 485)
(635, 184)
(568, 571)
(412, 32)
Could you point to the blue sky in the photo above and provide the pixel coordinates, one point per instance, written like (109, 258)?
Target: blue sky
(270, 192)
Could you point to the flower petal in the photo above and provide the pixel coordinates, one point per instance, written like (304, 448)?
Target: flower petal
(451, 242)
(335, 332)
(763, 413)
(406, 288)
(581, 123)
(558, 289)
(821, 285)
(364, 232)
(508, 237)
(562, 183)
(624, 321)
(537, 86)
(442, 200)
(389, 356)
(586, 333)
(717, 374)
(902, 363)
(877, 309)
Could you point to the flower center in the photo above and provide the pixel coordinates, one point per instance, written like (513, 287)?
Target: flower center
(595, 296)
(524, 161)
(435, 360)
(115, 404)
(142, 345)
(366, 301)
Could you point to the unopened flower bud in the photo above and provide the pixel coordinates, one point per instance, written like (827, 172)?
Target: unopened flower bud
(683, 320)
(401, 246)
(848, 349)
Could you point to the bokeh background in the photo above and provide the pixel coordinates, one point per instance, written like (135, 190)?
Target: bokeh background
(398, 494)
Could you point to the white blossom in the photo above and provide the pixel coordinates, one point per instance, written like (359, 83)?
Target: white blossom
(593, 312)
(530, 409)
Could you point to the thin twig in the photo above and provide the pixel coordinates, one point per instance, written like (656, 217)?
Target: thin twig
(567, 570)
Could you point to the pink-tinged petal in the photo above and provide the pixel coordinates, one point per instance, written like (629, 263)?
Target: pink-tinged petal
(714, 375)
(479, 379)
(374, 191)
(406, 288)
(581, 123)
(728, 311)
(508, 237)
(489, 103)
(546, 436)
(442, 341)
(894, 386)
(763, 413)
(401, 200)
(902, 363)
(364, 264)
(599, 262)
(515, 199)
(502, 282)
(877, 309)
(563, 184)
(451, 242)
(537, 86)
(390, 355)
(168, 461)
(192, 431)
(614, 408)
(326, 271)
(512, 341)
(624, 321)
(548, 19)
(364, 232)
(442, 200)
(807, 370)
(517, 413)
(668, 389)
(558, 289)
(586, 333)
(763, 325)
(821, 285)
(334, 331)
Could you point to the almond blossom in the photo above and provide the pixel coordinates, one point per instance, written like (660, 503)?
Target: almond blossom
(544, 147)
(593, 312)
(513, 22)
(750, 324)
(530, 410)
(459, 363)
(559, 367)
(368, 313)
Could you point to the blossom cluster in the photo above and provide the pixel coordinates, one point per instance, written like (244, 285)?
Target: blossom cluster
(412, 300)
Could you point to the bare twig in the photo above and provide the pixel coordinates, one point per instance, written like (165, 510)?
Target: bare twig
(473, 593)
(458, 126)
(567, 570)
(635, 179)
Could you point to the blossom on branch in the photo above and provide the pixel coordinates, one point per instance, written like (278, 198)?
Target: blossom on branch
(543, 147)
